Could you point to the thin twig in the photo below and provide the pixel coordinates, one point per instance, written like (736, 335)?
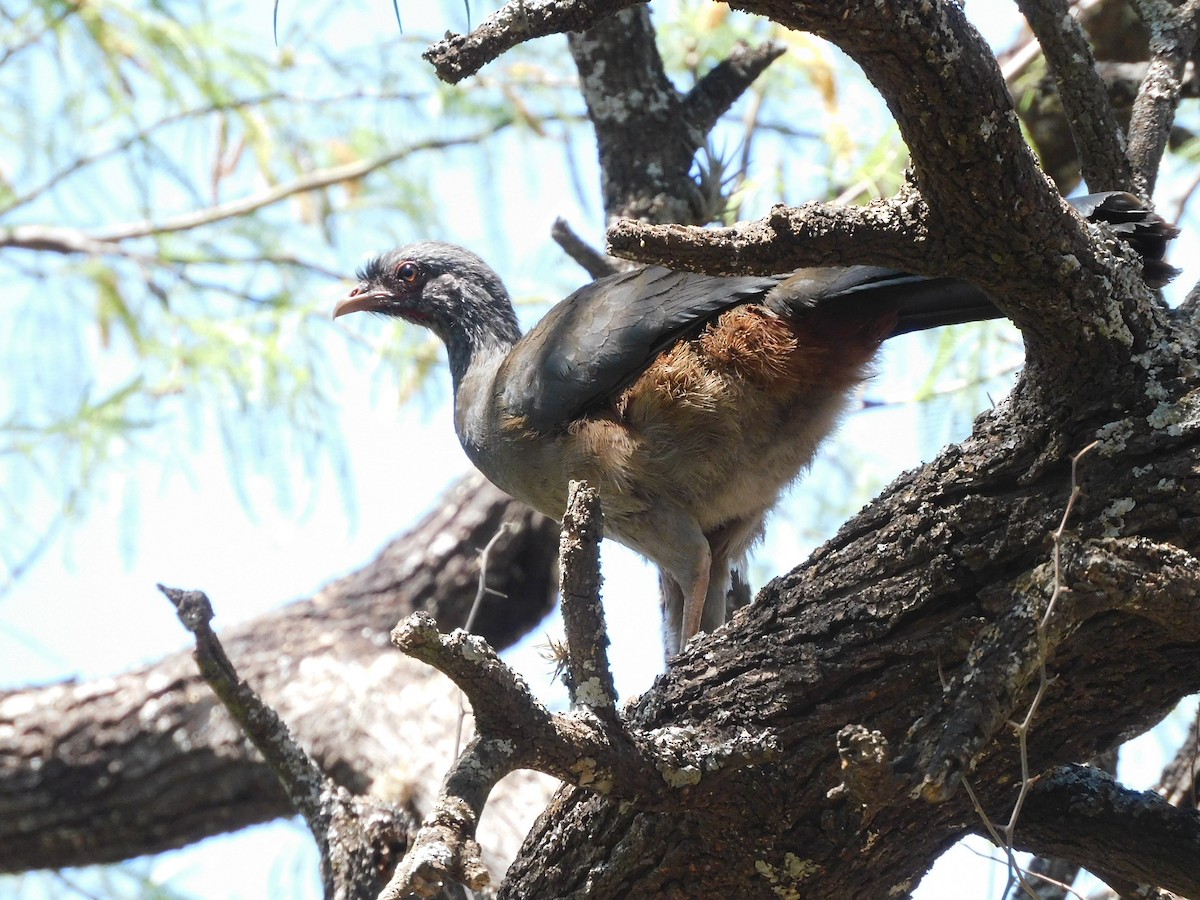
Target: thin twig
(73, 240)
(1043, 678)
(1003, 837)
(1022, 729)
(1040, 875)
(143, 134)
(481, 591)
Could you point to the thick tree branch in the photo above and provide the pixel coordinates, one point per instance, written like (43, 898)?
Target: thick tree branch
(884, 232)
(1099, 139)
(1082, 814)
(518, 21)
(1173, 33)
(985, 212)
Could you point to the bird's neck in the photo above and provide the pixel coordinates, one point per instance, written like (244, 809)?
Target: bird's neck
(484, 328)
(478, 340)
(474, 397)
(478, 348)
(470, 359)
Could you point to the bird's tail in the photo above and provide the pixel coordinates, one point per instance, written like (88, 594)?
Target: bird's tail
(934, 302)
(1144, 230)
(920, 302)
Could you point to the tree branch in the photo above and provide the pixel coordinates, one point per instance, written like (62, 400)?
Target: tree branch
(588, 257)
(1082, 814)
(590, 678)
(884, 232)
(70, 240)
(359, 838)
(518, 21)
(591, 747)
(723, 84)
(1173, 33)
(1099, 139)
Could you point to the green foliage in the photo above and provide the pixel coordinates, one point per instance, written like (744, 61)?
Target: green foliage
(200, 193)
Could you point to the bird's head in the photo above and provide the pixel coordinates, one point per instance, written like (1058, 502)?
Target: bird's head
(448, 289)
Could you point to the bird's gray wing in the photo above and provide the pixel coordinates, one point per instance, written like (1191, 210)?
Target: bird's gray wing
(601, 338)
(597, 341)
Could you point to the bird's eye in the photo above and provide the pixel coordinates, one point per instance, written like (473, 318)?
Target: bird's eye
(407, 271)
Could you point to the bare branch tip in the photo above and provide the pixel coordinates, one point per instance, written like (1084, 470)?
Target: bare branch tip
(418, 630)
(193, 607)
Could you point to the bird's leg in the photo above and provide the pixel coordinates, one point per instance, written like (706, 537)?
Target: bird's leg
(695, 594)
(683, 601)
(675, 541)
(728, 545)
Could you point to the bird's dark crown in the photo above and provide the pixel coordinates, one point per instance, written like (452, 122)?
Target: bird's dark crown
(435, 258)
(372, 270)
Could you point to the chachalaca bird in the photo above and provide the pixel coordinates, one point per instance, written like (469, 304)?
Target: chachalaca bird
(689, 401)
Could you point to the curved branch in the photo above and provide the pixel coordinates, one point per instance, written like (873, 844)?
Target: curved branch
(724, 83)
(71, 240)
(459, 56)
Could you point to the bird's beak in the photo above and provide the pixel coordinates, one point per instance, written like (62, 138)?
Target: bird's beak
(362, 298)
